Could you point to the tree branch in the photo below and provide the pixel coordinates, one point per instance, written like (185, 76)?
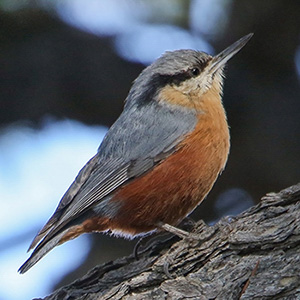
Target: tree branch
(254, 255)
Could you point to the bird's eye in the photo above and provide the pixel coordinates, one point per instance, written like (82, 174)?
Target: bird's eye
(195, 71)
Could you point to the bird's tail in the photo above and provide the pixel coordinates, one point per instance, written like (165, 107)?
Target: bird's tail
(59, 236)
(40, 251)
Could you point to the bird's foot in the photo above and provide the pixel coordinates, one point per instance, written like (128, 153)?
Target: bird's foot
(190, 239)
(151, 241)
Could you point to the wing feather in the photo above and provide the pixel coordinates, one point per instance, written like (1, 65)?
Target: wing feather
(141, 137)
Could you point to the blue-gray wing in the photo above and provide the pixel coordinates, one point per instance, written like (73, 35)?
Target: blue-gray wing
(140, 138)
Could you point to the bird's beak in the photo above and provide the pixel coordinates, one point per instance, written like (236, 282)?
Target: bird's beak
(222, 58)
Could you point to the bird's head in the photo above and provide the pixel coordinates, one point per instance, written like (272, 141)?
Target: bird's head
(178, 76)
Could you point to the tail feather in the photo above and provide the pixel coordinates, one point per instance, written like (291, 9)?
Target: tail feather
(41, 250)
(67, 198)
(58, 235)
(42, 233)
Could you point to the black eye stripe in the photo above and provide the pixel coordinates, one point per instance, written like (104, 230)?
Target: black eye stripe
(180, 77)
(176, 79)
(171, 71)
(158, 81)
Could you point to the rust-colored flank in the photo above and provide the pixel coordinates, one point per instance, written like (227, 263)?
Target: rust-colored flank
(175, 187)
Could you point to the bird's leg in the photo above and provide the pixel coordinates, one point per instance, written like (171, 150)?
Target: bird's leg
(141, 242)
(174, 230)
(153, 238)
(179, 232)
(190, 237)
(149, 241)
(138, 245)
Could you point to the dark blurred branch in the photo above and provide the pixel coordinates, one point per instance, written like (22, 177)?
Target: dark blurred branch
(252, 256)
(50, 68)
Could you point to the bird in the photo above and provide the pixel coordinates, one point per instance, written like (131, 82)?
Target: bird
(157, 162)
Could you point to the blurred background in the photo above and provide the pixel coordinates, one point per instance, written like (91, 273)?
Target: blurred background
(66, 67)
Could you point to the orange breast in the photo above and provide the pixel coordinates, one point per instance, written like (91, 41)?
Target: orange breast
(170, 191)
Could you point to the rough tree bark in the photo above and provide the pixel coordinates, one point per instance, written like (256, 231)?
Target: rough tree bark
(255, 255)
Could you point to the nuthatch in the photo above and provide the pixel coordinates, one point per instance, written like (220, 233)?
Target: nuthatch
(157, 162)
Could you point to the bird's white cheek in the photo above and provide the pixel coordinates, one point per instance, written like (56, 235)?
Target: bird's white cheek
(200, 84)
(205, 83)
